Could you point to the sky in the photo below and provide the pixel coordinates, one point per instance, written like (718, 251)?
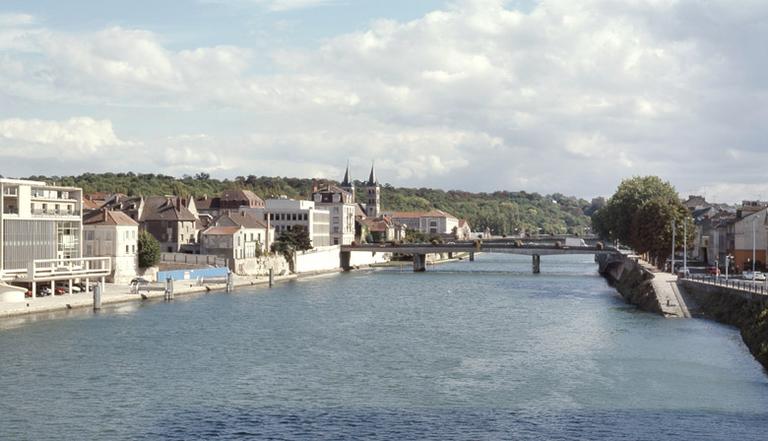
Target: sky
(480, 95)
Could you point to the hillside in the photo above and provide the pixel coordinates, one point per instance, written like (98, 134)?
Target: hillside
(504, 212)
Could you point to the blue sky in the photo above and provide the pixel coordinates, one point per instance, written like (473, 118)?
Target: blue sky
(547, 96)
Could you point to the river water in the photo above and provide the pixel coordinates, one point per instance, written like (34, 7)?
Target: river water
(481, 350)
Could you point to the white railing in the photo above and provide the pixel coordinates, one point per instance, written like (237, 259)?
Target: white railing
(85, 267)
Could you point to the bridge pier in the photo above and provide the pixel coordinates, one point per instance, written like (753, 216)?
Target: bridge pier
(345, 260)
(536, 264)
(419, 263)
(471, 256)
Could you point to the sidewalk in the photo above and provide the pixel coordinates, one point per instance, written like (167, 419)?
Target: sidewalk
(116, 294)
(665, 285)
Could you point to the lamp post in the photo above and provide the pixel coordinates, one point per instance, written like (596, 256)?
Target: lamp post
(685, 248)
(754, 244)
(672, 267)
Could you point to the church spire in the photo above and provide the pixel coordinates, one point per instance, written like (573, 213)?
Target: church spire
(372, 179)
(346, 182)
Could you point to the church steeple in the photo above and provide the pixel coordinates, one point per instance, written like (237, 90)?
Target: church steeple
(346, 181)
(373, 205)
(347, 184)
(372, 178)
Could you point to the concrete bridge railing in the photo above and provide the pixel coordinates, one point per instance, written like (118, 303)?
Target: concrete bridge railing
(419, 251)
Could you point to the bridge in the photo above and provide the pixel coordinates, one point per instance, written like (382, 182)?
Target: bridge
(420, 251)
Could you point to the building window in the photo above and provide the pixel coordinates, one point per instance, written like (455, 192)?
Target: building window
(127, 249)
(89, 235)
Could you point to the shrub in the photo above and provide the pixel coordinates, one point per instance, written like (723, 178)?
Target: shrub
(149, 250)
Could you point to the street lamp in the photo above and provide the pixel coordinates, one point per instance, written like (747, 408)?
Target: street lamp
(754, 244)
(672, 267)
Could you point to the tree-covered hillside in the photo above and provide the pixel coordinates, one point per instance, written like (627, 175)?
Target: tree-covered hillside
(504, 212)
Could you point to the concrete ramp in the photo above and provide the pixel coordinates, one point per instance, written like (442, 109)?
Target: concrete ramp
(671, 300)
(12, 294)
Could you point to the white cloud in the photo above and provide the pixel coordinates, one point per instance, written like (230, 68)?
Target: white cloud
(74, 137)
(477, 95)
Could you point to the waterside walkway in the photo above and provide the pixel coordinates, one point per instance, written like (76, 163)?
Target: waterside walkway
(116, 294)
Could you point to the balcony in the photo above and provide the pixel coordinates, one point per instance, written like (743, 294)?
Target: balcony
(55, 213)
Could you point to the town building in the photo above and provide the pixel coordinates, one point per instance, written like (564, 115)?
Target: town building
(382, 229)
(750, 232)
(340, 203)
(171, 221)
(237, 235)
(428, 222)
(41, 230)
(285, 214)
(228, 200)
(115, 235)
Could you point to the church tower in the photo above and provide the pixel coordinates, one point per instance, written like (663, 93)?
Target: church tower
(373, 205)
(347, 184)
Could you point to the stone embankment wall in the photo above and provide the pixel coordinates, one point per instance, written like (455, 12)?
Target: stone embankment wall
(260, 266)
(631, 280)
(746, 311)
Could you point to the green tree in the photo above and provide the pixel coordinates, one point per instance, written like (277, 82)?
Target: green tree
(149, 250)
(614, 221)
(652, 228)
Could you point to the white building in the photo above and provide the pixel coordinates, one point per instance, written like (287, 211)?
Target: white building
(428, 222)
(113, 234)
(41, 232)
(340, 203)
(238, 235)
(285, 214)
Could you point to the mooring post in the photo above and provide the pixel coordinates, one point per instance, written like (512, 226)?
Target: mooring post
(168, 289)
(97, 297)
(271, 277)
(230, 284)
(536, 264)
(471, 256)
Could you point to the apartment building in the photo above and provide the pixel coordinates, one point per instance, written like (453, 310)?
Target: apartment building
(115, 235)
(41, 232)
(284, 214)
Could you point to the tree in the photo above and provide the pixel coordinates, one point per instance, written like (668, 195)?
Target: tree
(149, 250)
(652, 228)
(614, 221)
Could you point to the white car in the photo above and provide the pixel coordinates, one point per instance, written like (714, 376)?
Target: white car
(757, 275)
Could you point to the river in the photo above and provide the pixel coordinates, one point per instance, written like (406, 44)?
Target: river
(482, 350)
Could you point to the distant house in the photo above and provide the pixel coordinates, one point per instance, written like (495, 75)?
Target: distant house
(750, 231)
(171, 222)
(383, 229)
(228, 200)
(428, 222)
(341, 206)
(463, 230)
(112, 234)
(237, 235)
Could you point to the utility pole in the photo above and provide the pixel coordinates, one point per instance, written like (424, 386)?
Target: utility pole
(754, 244)
(685, 248)
(672, 267)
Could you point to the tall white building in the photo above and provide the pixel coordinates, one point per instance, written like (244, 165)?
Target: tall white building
(39, 221)
(41, 231)
(285, 214)
(340, 203)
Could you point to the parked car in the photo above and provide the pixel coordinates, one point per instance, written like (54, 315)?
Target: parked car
(757, 275)
(713, 270)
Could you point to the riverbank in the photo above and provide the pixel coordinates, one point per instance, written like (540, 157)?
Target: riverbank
(642, 285)
(746, 311)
